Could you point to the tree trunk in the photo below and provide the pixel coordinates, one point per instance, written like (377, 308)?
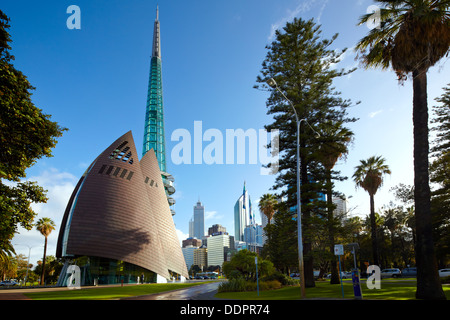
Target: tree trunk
(335, 279)
(373, 227)
(306, 217)
(428, 282)
(43, 262)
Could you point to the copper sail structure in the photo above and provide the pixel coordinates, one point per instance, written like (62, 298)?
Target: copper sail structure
(119, 219)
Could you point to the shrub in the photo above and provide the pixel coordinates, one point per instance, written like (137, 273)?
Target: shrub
(234, 274)
(233, 285)
(445, 280)
(269, 285)
(240, 285)
(242, 264)
(282, 278)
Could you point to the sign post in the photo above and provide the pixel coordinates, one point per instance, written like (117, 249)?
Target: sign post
(339, 251)
(356, 284)
(355, 274)
(257, 282)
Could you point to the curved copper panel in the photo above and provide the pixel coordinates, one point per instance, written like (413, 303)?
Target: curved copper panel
(114, 214)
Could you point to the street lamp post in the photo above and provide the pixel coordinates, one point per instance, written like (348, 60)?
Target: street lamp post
(29, 254)
(272, 83)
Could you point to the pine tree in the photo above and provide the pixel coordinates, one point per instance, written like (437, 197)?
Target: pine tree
(440, 177)
(300, 62)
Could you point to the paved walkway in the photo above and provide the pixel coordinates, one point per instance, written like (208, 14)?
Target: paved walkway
(200, 292)
(13, 296)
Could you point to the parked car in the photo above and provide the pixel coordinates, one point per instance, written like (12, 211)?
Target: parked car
(8, 283)
(444, 272)
(391, 273)
(344, 275)
(409, 272)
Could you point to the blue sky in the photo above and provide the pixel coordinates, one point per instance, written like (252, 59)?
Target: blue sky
(94, 82)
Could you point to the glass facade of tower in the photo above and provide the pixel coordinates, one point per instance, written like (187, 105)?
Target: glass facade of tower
(154, 136)
(199, 220)
(154, 115)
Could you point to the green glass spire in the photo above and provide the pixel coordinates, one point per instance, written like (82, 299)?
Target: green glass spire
(154, 137)
(154, 115)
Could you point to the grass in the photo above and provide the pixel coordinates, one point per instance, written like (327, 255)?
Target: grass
(390, 290)
(108, 293)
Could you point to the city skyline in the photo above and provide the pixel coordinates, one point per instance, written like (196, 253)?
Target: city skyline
(88, 78)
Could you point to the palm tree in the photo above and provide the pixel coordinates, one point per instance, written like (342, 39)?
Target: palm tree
(412, 37)
(267, 205)
(45, 226)
(369, 176)
(335, 140)
(6, 252)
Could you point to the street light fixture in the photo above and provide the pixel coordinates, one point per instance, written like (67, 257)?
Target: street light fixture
(273, 84)
(29, 254)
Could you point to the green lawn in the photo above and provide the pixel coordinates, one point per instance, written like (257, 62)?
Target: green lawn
(390, 290)
(108, 293)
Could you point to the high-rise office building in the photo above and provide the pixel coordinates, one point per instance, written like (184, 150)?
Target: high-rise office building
(191, 227)
(341, 207)
(199, 220)
(216, 229)
(188, 253)
(201, 257)
(191, 242)
(220, 249)
(253, 235)
(243, 215)
(154, 136)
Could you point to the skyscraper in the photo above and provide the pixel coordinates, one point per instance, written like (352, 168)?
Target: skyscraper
(217, 249)
(199, 220)
(154, 136)
(341, 207)
(242, 215)
(191, 227)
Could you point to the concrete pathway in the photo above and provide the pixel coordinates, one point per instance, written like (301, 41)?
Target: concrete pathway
(200, 292)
